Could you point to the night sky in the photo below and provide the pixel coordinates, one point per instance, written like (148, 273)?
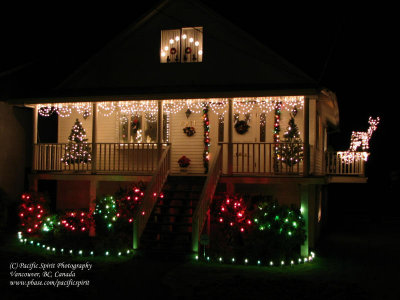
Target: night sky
(350, 50)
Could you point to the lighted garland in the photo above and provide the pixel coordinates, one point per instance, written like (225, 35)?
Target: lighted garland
(32, 212)
(277, 129)
(206, 153)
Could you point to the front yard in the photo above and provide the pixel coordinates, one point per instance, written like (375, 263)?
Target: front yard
(361, 264)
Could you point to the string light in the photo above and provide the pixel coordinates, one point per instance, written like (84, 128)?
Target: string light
(242, 105)
(61, 251)
(260, 262)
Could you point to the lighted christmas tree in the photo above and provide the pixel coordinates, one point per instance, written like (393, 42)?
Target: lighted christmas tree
(291, 151)
(77, 150)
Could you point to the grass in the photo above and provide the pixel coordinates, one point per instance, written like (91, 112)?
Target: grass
(357, 264)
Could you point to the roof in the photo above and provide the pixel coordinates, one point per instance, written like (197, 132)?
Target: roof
(235, 63)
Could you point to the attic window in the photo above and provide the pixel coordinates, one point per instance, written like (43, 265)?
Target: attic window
(184, 45)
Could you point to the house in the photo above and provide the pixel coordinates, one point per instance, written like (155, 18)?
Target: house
(184, 81)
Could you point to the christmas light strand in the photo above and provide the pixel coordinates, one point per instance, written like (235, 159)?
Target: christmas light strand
(259, 262)
(219, 106)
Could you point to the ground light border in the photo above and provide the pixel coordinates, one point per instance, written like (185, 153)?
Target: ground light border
(72, 252)
(197, 258)
(258, 262)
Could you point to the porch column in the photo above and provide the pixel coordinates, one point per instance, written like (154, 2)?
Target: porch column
(304, 199)
(35, 136)
(159, 129)
(230, 136)
(306, 161)
(94, 136)
(92, 203)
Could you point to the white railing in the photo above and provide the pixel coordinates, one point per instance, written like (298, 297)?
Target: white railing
(259, 159)
(107, 158)
(151, 195)
(200, 214)
(47, 157)
(337, 165)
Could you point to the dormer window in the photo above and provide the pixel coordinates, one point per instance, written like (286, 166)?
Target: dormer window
(184, 45)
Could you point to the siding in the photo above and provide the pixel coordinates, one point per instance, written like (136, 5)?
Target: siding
(192, 147)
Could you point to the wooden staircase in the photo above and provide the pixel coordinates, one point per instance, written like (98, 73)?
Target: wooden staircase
(169, 230)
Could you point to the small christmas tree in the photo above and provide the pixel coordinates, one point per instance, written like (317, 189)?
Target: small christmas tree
(291, 151)
(77, 150)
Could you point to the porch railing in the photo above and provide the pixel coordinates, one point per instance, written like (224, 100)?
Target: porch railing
(151, 195)
(337, 165)
(200, 214)
(259, 159)
(109, 158)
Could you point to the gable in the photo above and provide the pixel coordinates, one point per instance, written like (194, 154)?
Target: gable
(231, 59)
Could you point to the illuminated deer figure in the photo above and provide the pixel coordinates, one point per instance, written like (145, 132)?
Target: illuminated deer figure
(361, 138)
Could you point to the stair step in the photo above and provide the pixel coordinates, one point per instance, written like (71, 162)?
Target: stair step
(172, 215)
(169, 230)
(170, 224)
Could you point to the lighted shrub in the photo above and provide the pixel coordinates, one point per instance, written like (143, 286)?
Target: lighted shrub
(279, 230)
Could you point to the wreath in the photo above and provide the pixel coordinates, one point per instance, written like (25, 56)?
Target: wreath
(188, 50)
(189, 131)
(173, 51)
(241, 127)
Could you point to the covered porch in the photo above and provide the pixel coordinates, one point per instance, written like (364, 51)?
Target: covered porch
(129, 137)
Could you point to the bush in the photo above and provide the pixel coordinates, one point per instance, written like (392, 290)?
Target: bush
(270, 230)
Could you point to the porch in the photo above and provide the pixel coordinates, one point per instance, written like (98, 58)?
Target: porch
(238, 159)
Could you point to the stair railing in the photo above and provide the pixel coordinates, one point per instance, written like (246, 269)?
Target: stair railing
(152, 191)
(200, 214)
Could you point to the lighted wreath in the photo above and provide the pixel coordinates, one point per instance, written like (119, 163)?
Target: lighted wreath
(173, 51)
(242, 127)
(184, 162)
(188, 50)
(189, 131)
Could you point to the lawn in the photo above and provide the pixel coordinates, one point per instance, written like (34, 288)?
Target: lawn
(361, 264)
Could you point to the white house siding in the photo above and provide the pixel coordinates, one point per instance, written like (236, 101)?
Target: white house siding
(192, 147)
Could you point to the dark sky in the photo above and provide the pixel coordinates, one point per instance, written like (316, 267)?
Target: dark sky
(350, 49)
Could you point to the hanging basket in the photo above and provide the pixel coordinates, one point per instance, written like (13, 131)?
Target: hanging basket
(184, 162)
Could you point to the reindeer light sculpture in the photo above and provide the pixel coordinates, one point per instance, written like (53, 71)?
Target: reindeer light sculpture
(361, 138)
(359, 143)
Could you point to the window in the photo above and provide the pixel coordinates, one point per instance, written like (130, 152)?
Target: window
(135, 128)
(184, 45)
